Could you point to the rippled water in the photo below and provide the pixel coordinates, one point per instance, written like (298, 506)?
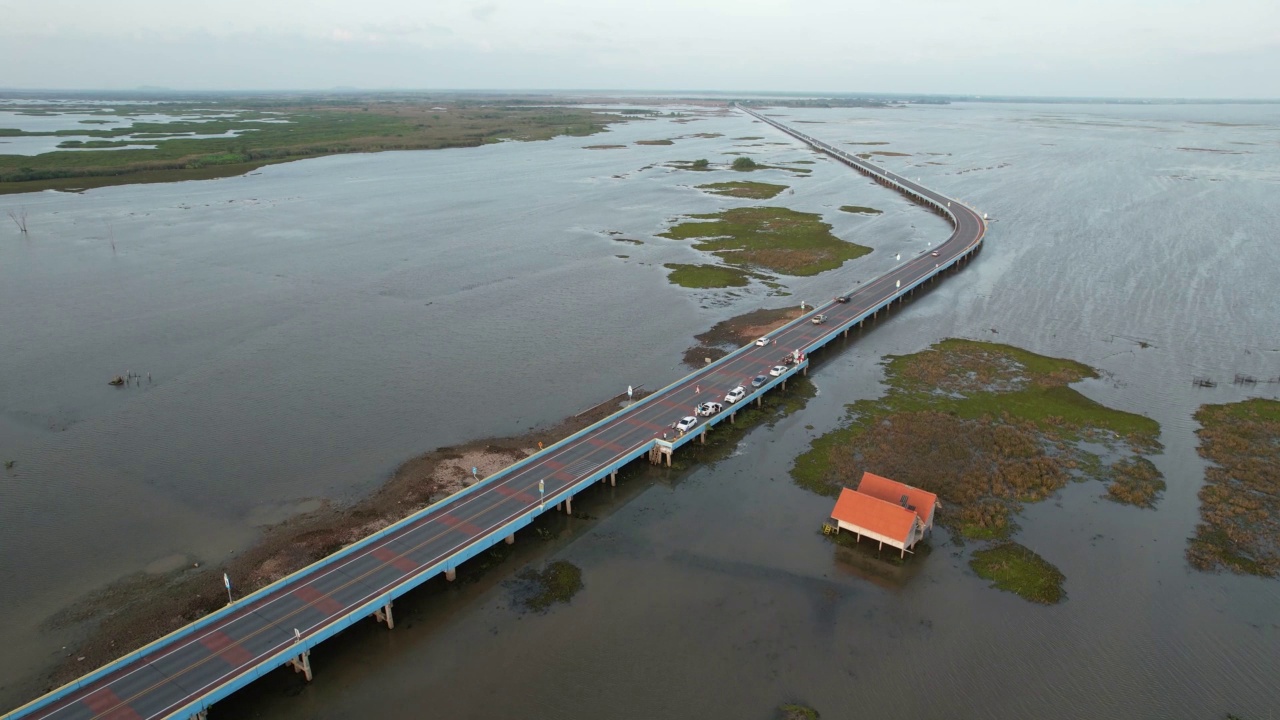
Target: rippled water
(311, 325)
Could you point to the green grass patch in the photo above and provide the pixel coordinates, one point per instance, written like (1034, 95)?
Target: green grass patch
(706, 277)
(859, 210)
(772, 239)
(745, 164)
(750, 137)
(1239, 527)
(792, 711)
(602, 147)
(987, 427)
(655, 142)
(1016, 569)
(313, 129)
(744, 189)
(558, 582)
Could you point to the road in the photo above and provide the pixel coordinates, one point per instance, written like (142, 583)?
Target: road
(186, 672)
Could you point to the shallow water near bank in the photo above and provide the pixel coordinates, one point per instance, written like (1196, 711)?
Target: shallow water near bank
(291, 344)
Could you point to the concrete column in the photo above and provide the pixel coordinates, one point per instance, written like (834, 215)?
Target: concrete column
(613, 479)
(732, 416)
(784, 384)
(202, 715)
(302, 664)
(384, 615)
(702, 437)
(568, 506)
(451, 574)
(510, 539)
(805, 371)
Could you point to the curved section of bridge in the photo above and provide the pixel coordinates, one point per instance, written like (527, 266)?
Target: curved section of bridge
(184, 673)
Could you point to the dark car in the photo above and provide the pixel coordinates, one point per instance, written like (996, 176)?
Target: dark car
(842, 298)
(758, 380)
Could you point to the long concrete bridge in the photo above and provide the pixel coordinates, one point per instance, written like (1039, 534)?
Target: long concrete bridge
(183, 674)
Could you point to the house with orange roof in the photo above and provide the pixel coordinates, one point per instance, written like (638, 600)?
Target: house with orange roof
(886, 511)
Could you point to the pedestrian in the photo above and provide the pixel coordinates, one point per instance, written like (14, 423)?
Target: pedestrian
(539, 444)
(696, 390)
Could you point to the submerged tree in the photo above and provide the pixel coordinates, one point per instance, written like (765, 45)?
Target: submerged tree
(19, 218)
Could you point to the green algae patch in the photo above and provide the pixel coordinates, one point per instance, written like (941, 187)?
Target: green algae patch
(744, 189)
(987, 427)
(1239, 527)
(793, 711)
(771, 239)
(558, 582)
(655, 142)
(1016, 569)
(706, 277)
(860, 210)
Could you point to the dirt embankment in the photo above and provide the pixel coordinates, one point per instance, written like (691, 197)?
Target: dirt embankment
(729, 335)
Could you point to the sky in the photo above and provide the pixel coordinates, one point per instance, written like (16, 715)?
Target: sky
(1096, 48)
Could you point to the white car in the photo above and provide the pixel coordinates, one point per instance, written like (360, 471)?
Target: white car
(777, 370)
(735, 395)
(707, 409)
(763, 342)
(686, 423)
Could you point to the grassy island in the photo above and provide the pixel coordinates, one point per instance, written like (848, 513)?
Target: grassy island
(859, 210)
(769, 238)
(538, 590)
(1016, 569)
(253, 132)
(987, 427)
(744, 189)
(1239, 526)
(706, 277)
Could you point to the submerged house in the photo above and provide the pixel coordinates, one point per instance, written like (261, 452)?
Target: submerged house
(886, 511)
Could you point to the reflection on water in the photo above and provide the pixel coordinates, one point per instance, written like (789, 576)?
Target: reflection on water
(301, 354)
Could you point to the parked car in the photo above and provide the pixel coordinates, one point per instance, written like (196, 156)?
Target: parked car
(842, 298)
(758, 380)
(686, 423)
(819, 319)
(707, 409)
(735, 395)
(777, 370)
(763, 341)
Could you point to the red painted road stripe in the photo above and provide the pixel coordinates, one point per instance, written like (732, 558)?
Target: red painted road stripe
(224, 647)
(508, 491)
(462, 526)
(319, 600)
(106, 704)
(553, 464)
(606, 444)
(399, 562)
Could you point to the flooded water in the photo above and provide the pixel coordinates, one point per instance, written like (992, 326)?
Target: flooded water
(313, 324)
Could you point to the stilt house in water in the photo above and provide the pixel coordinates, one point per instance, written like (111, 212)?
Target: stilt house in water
(886, 511)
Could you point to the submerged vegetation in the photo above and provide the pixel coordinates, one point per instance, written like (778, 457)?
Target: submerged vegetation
(538, 590)
(744, 189)
(769, 238)
(986, 427)
(1240, 502)
(1016, 569)
(859, 210)
(263, 132)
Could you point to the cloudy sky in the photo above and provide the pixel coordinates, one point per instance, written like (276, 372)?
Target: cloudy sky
(1129, 48)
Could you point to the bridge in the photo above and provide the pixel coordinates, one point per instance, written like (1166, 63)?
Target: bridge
(184, 673)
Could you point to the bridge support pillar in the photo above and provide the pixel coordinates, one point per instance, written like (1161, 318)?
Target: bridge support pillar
(784, 384)
(759, 401)
(510, 539)
(202, 715)
(384, 615)
(451, 574)
(702, 437)
(805, 371)
(302, 664)
(568, 506)
(613, 479)
(732, 417)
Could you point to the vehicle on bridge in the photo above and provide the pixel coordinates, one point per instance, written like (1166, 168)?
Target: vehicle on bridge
(685, 424)
(758, 380)
(763, 342)
(934, 253)
(735, 395)
(842, 298)
(777, 370)
(819, 319)
(707, 409)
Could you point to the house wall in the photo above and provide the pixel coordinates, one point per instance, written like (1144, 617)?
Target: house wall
(899, 543)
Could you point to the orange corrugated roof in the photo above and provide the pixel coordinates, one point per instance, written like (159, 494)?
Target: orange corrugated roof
(891, 491)
(885, 518)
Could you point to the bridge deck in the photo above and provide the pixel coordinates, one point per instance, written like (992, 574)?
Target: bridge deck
(187, 671)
